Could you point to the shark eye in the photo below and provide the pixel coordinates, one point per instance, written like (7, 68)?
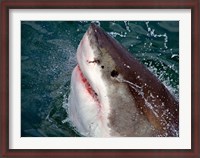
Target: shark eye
(102, 67)
(114, 73)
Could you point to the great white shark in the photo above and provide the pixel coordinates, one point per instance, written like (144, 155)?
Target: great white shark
(114, 95)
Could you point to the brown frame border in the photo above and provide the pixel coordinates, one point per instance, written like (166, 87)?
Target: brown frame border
(194, 5)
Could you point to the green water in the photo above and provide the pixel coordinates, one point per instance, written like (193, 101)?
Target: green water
(48, 58)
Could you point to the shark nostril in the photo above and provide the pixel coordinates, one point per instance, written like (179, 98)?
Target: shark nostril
(114, 73)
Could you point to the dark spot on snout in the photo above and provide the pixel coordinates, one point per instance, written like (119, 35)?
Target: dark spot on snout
(94, 61)
(102, 67)
(114, 73)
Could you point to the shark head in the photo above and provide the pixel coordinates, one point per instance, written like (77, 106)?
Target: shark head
(113, 94)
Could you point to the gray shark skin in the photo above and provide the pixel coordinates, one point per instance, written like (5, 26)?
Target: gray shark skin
(114, 95)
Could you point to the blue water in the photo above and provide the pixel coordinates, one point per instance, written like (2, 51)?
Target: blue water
(48, 58)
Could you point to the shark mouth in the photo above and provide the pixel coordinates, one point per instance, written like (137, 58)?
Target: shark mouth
(87, 86)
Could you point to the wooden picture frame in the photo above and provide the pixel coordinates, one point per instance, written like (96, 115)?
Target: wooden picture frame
(6, 5)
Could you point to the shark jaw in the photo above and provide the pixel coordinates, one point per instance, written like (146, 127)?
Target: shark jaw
(89, 105)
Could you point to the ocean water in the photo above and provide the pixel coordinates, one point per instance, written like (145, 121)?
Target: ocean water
(48, 56)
